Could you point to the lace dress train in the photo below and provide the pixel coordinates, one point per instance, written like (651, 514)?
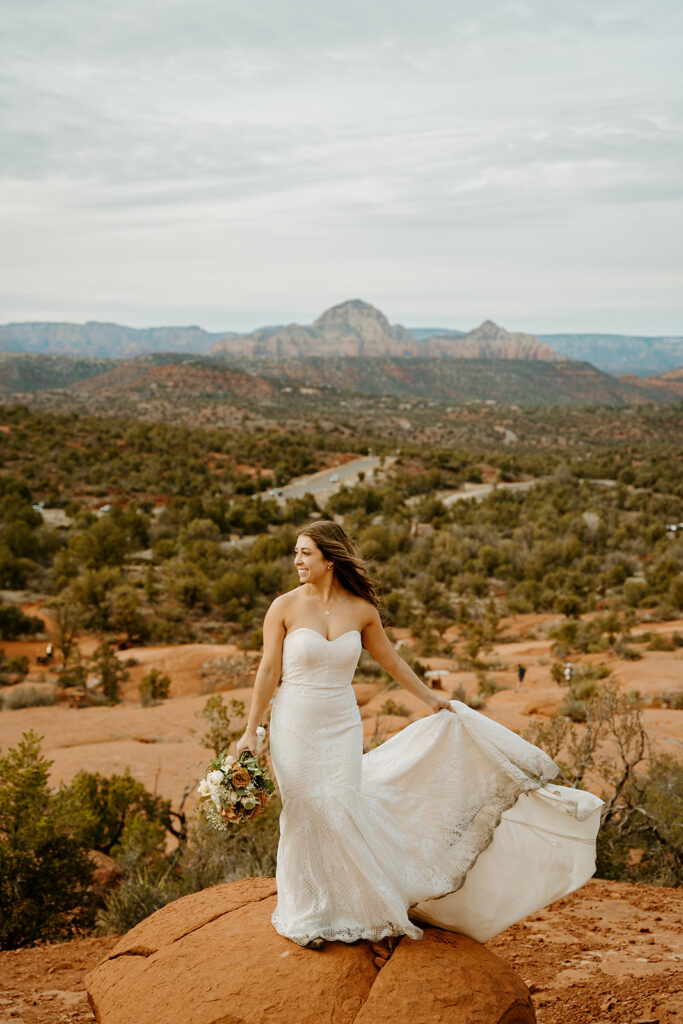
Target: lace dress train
(450, 822)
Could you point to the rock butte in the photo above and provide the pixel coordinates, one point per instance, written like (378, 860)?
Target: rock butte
(214, 958)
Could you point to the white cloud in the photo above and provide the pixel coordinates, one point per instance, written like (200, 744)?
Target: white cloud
(234, 164)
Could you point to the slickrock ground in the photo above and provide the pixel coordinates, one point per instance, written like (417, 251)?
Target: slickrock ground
(159, 746)
(214, 958)
(611, 953)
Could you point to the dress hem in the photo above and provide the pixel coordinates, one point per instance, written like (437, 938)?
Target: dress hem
(506, 805)
(350, 935)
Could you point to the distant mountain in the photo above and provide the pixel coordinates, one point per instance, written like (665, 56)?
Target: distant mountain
(109, 341)
(173, 379)
(504, 381)
(488, 341)
(357, 329)
(621, 353)
(149, 375)
(24, 373)
(670, 383)
(352, 328)
(196, 377)
(420, 333)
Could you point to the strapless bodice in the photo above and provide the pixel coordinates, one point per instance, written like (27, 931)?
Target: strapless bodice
(310, 659)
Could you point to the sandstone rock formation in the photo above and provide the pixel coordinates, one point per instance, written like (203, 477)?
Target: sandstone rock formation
(214, 958)
(489, 341)
(358, 329)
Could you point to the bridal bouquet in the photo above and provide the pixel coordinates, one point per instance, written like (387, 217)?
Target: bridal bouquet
(234, 790)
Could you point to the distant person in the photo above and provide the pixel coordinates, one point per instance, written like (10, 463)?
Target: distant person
(521, 672)
(568, 673)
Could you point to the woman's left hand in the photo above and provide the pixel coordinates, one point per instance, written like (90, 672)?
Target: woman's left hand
(440, 704)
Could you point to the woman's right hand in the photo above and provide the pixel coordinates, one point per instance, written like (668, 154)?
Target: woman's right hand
(248, 741)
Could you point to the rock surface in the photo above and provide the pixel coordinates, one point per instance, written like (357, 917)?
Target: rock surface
(214, 958)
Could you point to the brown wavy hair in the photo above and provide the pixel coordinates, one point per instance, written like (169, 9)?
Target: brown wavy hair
(349, 567)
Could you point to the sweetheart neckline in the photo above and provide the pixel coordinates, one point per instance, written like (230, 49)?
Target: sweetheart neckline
(326, 639)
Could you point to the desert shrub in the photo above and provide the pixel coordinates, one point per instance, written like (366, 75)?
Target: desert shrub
(27, 696)
(207, 858)
(643, 795)
(138, 895)
(459, 693)
(673, 700)
(210, 857)
(110, 811)
(14, 623)
(111, 672)
(625, 651)
(74, 673)
(253, 641)
(154, 686)
(390, 707)
(19, 664)
(659, 642)
(634, 592)
(487, 686)
(44, 867)
(641, 838)
(574, 708)
(219, 732)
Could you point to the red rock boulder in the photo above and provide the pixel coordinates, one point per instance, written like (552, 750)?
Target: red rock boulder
(214, 958)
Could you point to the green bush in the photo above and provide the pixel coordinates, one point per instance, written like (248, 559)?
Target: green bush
(27, 696)
(219, 732)
(649, 822)
(13, 623)
(207, 858)
(136, 897)
(659, 642)
(111, 672)
(390, 707)
(44, 868)
(154, 686)
(109, 810)
(19, 664)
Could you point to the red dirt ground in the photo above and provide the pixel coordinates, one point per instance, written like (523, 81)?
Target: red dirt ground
(609, 954)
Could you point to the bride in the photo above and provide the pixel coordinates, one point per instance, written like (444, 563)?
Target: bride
(450, 822)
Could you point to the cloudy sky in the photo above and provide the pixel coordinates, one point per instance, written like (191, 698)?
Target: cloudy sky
(232, 165)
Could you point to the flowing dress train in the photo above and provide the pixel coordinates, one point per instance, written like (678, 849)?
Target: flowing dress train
(454, 821)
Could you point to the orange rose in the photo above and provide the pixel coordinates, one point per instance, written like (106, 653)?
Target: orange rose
(229, 813)
(262, 797)
(240, 777)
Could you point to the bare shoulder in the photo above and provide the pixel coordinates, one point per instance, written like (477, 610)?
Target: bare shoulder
(280, 605)
(278, 610)
(283, 607)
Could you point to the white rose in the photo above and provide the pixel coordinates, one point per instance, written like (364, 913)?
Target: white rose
(215, 777)
(230, 760)
(203, 788)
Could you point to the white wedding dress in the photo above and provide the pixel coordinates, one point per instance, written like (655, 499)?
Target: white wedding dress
(450, 822)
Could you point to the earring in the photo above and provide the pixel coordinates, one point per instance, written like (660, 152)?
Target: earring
(329, 566)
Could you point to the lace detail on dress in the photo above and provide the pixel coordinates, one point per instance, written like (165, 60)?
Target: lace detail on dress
(365, 838)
